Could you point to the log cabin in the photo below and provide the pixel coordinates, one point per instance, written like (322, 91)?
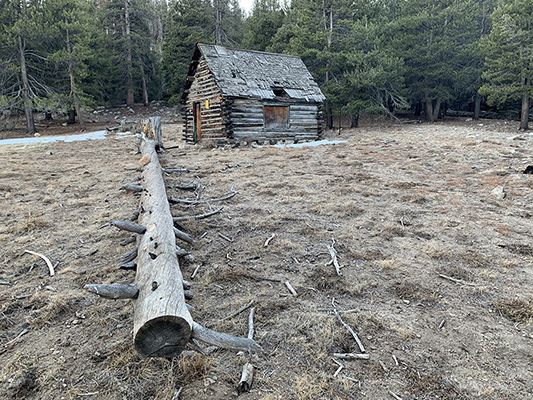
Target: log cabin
(233, 96)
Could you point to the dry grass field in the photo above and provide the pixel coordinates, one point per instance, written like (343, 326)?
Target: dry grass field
(433, 229)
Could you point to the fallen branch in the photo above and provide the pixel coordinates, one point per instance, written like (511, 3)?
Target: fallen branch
(269, 239)
(129, 226)
(114, 290)
(226, 196)
(334, 261)
(5, 283)
(395, 395)
(348, 328)
(291, 289)
(351, 356)
(193, 185)
(198, 216)
(225, 237)
(195, 272)
(240, 310)
(247, 378)
(46, 260)
(457, 280)
(24, 331)
(170, 170)
(341, 367)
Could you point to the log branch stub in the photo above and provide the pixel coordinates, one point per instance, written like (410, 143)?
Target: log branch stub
(224, 340)
(114, 291)
(183, 236)
(128, 256)
(132, 187)
(129, 226)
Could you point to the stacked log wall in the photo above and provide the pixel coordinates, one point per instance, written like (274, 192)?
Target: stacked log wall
(246, 120)
(213, 119)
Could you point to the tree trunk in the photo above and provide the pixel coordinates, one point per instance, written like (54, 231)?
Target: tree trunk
(144, 87)
(162, 324)
(355, 121)
(30, 122)
(429, 110)
(524, 118)
(329, 116)
(436, 111)
(477, 106)
(73, 93)
(418, 109)
(129, 73)
(71, 116)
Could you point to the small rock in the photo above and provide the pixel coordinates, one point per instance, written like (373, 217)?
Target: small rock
(36, 134)
(498, 193)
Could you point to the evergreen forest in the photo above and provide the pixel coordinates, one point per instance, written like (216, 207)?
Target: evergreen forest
(368, 56)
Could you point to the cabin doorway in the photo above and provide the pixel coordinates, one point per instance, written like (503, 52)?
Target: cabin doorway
(197, 122)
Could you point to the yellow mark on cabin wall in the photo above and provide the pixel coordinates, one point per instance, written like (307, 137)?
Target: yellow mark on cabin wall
(207, 104)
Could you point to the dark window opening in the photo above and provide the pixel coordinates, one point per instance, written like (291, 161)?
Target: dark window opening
(276, 117)
(279, 92)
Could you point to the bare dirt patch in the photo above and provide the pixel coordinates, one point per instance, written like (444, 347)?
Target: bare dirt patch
(409, 208)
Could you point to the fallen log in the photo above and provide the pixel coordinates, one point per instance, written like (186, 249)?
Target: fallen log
(162, 324)
(151, 128)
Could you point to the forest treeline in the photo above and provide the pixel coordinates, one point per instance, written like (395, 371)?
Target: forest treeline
(368, 56)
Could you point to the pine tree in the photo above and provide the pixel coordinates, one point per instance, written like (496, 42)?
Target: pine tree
(188, 22)
(263, 23)
(129, 47)
(73, 29)
(22, 35)
(509, 56)
(433, 37)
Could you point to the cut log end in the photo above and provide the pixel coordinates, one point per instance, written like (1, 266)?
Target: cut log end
(163, 337)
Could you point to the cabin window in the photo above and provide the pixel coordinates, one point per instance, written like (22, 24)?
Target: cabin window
(276, 117)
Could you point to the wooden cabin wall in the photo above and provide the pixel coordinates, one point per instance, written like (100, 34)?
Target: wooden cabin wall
(213, 121)
(246, 120)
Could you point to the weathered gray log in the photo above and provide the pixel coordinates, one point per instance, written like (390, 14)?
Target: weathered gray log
(162, 323)
(224, 340)
(129, 226)
(132, 187)
(114, 291)
(152, 130)
(183, 236)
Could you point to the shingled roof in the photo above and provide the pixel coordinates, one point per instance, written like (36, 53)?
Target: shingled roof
(255, 74)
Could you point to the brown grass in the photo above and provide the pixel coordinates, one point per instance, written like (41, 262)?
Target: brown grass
(516, 309)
